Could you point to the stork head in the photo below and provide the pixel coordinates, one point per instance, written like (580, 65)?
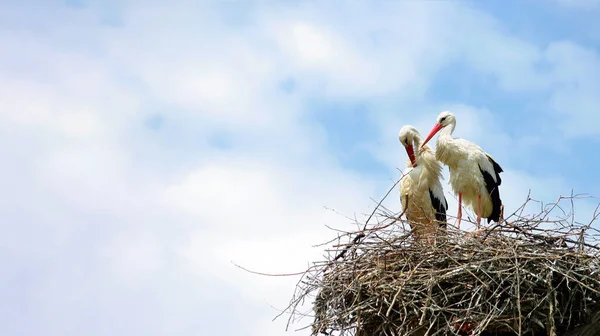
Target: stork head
(410, 138)
(444, 119)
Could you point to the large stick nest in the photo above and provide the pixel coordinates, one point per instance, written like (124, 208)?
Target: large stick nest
(527, 275)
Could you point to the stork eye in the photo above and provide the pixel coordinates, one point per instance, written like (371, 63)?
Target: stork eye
(443, 118)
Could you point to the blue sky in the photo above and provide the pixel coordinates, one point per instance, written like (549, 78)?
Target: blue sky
(146, 146)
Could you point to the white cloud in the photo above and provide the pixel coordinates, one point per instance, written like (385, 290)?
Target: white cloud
(265, 218)
(233, 193)
(48, 111)
(311, 45)
(575, 99)
(136, 256)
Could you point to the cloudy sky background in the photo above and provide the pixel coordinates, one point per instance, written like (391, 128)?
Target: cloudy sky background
(147, 145)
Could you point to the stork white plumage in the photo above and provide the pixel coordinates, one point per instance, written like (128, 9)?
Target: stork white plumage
(474, 175)
(421, 192)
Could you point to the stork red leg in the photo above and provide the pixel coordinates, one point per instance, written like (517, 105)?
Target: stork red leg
(459, 216)
(478, 211)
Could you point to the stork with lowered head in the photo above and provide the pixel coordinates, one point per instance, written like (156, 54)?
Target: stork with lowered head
(421, 192)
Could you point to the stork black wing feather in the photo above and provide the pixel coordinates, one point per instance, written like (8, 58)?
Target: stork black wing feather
(440, 208)
(492, 185)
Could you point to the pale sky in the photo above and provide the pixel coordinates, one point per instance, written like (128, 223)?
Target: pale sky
(148, 144)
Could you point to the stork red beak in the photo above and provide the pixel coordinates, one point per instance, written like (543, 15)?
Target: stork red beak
(434, 130)
(411, 155)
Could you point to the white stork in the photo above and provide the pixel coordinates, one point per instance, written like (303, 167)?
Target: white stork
(474, 175)
(421, 192)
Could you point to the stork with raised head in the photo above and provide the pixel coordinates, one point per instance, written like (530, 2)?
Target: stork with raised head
(474, 175)
(421, 192)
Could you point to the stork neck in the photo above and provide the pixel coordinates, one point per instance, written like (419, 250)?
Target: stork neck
(417, 141)
(446, 132)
